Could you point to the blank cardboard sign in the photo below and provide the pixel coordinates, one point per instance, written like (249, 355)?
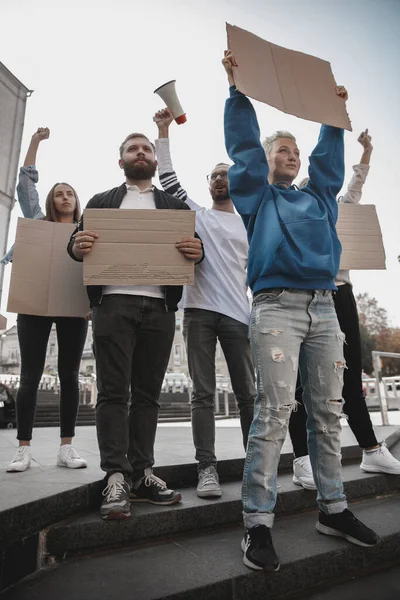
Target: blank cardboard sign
(45, 281)
(361, 238)
(137, 247)
(296, 83)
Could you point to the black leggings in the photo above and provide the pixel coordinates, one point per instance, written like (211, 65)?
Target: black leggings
(33, 336)
(354, 402)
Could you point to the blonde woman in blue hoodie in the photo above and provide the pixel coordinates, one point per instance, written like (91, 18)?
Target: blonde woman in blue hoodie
(294, 255)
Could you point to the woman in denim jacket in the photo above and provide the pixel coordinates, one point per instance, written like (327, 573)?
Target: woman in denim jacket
(62, 206)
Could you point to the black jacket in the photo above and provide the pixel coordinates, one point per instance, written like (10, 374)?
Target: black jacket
(113, 199)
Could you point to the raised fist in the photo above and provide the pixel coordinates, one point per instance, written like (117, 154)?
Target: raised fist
(365, 140)
(43, 133)
(163, 118)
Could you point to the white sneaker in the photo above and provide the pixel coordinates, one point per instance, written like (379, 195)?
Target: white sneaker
(380, 461)
(208, 484)
(302, 473)
(68, 457)
(21, 461)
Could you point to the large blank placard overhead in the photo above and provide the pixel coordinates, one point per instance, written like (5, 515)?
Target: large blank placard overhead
(45, 280)
(296, 83)
(137, 247)
(360, 234)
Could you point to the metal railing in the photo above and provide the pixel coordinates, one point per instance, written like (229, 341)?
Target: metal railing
(382, 383)
(87, 385)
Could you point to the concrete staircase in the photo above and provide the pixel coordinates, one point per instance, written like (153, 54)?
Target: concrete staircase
(173, 407)
(191, 551)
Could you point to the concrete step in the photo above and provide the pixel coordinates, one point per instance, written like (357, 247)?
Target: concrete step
(384, 585)
(87, 532)
(48, 415)
(56, 423)
(208, 565)
(24, 527)
(55, 407)
(29, 519)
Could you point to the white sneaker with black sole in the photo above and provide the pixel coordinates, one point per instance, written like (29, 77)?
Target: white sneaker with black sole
(347, 526)
(258, 550)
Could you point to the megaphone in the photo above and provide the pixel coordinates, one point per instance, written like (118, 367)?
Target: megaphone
(168, 93)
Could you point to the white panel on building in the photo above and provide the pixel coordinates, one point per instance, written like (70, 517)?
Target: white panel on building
(13, 96)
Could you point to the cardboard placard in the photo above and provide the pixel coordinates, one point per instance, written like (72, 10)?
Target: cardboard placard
(45, 280)
(360, 234)
(295, 83)
(137, 247)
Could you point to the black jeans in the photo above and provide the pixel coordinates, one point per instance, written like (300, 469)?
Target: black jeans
(201, 329)
(354, 407)
(33, 336)
(132, 338)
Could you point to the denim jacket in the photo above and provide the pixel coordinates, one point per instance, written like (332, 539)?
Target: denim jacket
(28, 200)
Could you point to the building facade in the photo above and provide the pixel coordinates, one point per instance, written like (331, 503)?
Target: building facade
(10, 354)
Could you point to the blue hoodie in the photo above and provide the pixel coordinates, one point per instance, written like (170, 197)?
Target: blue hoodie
(291, 232)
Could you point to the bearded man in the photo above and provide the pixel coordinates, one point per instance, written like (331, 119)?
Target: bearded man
(133, 331)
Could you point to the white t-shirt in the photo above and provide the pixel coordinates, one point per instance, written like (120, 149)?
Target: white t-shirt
(136, 199)
(220, 282)
(221, 278)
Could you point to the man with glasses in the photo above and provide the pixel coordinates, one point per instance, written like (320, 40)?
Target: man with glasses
(215, 308)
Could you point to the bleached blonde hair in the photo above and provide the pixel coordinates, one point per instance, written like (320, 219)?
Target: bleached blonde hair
(267, 143)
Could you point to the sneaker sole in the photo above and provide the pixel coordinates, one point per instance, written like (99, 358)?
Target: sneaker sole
(336, 533)
(71, 467)
(209, 494)
(298, 481)
(116, 515)
(175, 500)
(378, 470)
(251, 565)
(16, 470)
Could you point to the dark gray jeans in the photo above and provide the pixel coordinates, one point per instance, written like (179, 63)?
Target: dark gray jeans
(201, 329)
(132, 337)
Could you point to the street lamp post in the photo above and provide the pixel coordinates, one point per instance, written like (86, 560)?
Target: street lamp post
(3, 337)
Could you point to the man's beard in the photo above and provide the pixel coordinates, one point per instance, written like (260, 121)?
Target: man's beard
(220, 195)
(139, 172)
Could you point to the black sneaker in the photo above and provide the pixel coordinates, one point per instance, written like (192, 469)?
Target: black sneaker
(258, 549)
(153, 490)
(346, 525)
(116, 503)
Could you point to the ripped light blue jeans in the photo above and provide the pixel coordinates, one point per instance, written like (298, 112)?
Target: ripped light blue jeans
(293, 329)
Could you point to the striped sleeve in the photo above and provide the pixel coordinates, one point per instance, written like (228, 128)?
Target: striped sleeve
(170, 184)
(167, 176)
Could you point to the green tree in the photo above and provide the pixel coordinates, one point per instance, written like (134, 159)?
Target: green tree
(388, 340)
(367, 345)
(372, 316)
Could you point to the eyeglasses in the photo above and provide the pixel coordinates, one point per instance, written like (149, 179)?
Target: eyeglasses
(214, 176)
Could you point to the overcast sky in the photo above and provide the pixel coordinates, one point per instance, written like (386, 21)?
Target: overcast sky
(93, 66)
